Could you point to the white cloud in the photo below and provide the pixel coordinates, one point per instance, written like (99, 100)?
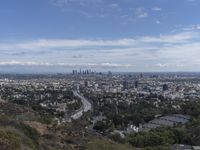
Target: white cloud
(190, 0)
(46, 64)
(192, 27)
(158, 22)
(162, 65)
(173, 38)
(56, 44)
(156, 9)
(64, 3)
(25, 63)
(141, 13)
(171, 51)
(114, 5)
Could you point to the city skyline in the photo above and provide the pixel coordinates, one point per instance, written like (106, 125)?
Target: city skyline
(126, 36)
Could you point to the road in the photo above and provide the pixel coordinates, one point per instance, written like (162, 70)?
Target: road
(85, 108)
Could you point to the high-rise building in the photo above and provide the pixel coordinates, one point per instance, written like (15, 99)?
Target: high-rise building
(165, 87)
(125, 85)
(136, 84)
(86, 83)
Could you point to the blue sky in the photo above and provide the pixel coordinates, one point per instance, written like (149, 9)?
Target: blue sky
(118, 35)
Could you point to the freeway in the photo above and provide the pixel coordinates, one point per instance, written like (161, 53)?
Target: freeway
(85, 108)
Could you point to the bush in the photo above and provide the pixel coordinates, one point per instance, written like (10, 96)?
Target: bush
(116, 137)
(9, 140)
(29, 132)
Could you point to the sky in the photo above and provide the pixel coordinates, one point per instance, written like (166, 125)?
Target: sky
(116, 35)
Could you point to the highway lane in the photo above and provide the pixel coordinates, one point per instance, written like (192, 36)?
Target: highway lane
(85, 108)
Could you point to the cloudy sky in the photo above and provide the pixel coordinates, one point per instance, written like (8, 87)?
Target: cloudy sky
(116, 35)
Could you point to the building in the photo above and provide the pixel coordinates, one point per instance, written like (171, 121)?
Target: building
(165, 87)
